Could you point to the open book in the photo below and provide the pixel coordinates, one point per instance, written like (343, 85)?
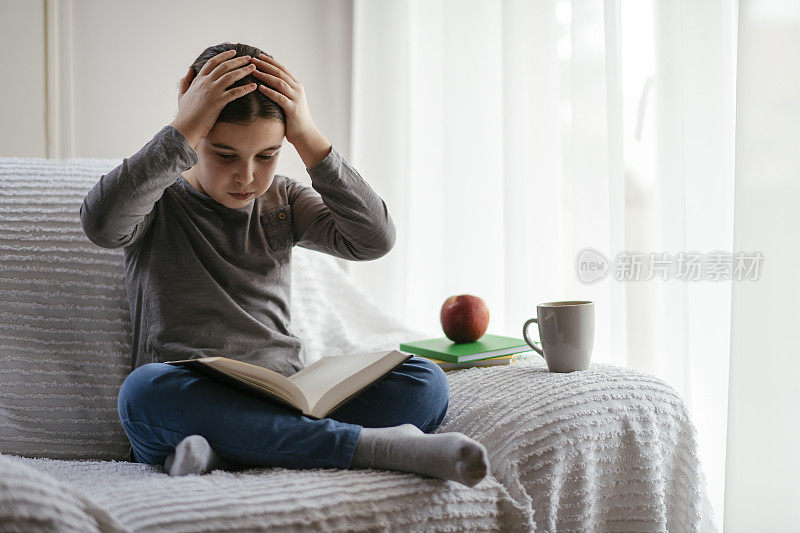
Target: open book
(317, 390)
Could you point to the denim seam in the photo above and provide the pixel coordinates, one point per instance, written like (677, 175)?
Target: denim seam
(236, 447)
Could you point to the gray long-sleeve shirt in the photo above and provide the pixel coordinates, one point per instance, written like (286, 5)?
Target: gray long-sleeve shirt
(203, 279)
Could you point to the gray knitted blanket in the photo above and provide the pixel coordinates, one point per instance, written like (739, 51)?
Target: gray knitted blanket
(605, 449)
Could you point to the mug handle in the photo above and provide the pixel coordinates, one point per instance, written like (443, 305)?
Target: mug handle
(530, 342)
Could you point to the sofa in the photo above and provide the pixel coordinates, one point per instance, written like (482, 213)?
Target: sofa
(604, 449)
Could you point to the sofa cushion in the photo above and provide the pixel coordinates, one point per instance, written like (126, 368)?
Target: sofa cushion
(144, 498)
(31, 500)
(64, 319)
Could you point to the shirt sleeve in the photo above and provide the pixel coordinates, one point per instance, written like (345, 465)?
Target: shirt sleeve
(340, 214)
(119, 209)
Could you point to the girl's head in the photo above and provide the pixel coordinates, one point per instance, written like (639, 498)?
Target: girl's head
(240, 153)
(250, 107)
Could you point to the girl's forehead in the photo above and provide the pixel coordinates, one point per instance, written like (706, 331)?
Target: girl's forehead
(248, 136)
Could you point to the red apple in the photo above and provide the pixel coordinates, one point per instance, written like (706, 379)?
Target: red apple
(464, 318)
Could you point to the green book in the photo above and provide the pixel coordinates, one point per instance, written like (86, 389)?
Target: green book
(487, 346)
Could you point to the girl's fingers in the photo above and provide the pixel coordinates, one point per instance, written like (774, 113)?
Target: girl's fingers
(233, 94)
(275, 96)
(228, 66)
(227, 79)
(266, 68)
(212, 63)
(276, 83)
(184, 82)
(265, 58)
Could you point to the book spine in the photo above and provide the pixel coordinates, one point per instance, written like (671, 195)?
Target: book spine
(498, 361)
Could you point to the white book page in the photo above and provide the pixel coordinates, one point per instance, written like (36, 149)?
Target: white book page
(261, 377)
(318, 378)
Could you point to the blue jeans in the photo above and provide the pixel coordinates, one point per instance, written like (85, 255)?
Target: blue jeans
(160, 404)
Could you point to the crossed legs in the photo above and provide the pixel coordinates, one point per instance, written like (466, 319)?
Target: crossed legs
(161, 405)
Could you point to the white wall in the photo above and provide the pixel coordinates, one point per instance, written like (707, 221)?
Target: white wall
(22, 93)
(112, 68)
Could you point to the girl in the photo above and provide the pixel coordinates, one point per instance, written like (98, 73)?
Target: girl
(208, 229)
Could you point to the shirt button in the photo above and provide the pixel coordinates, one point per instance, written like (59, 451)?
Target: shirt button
(281, 215)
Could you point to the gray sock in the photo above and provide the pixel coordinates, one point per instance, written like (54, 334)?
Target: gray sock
(406, 448)
(193, 455)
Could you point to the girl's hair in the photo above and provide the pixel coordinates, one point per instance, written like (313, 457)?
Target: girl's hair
(253, 105)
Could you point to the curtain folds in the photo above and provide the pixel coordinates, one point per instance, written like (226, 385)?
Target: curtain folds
(762, 468)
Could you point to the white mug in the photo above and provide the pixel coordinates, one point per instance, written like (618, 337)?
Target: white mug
(566, 330)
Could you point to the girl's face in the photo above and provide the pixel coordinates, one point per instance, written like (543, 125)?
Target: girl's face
(235, 158)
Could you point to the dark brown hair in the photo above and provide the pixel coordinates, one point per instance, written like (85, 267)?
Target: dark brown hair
(253, 105)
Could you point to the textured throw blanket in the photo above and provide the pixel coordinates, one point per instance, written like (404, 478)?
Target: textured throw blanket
(605, 449)
(143, 498)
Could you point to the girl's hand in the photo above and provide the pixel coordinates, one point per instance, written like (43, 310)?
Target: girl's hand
(201, 98)
(283, 88)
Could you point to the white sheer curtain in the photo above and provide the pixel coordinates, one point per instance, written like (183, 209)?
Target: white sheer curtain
(507, 137)
(763, 467)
